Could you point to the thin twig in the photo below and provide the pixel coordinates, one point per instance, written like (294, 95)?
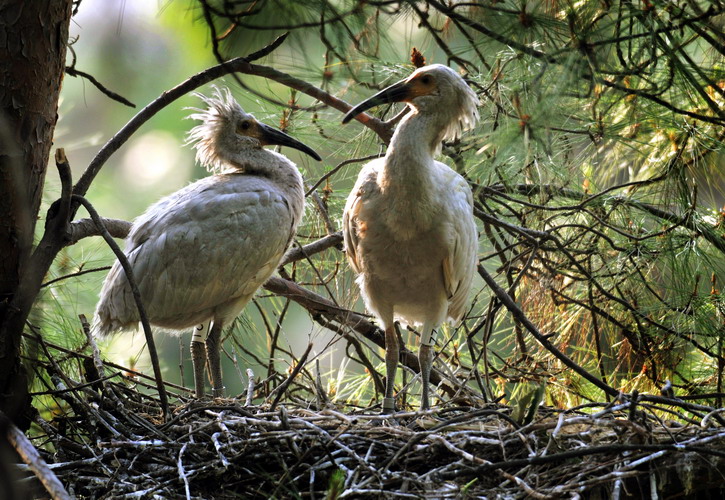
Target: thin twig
(280, 390)
(137, 298)
(116, 97)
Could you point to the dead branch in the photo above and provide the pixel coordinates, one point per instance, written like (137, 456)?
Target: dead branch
(29, 454)
(137, 298)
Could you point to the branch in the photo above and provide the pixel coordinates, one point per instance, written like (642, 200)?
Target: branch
(50, 244)
(136, 297)
(83, 228)
(282, 388)
(517, 313)
(320, 245)
(32, 458)
(662, 102)
(318, 305)
(73, 275)
(491, 34)
(384, 131)
(116, 97)
(241, 65)
(338, 167)
(711, 235)
(547, 58)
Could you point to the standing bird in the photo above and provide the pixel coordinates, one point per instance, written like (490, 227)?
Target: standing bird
(201, 253)
(408, 222)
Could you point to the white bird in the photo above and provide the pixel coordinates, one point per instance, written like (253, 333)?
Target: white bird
(201, 253)
(408, 223)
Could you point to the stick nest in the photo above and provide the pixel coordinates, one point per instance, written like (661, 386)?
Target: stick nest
(109, 440)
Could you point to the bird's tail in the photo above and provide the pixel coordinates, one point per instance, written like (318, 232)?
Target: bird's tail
(99, 327)
(111, 315)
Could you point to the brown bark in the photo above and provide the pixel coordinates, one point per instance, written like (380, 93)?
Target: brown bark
(33, 43)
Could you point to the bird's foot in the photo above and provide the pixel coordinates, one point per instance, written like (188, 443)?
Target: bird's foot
(218, 392)
(387, 415)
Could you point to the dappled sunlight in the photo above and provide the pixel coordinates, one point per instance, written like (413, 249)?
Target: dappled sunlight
(153, 158)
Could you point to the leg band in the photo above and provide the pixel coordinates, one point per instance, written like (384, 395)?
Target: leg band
(201, 332)
(428, 339)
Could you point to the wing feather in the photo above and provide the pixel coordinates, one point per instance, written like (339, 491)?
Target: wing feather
(459, 265)
(352, 228)
(350, 231)
(213, 242)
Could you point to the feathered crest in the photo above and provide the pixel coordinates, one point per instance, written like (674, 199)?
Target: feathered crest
(221, 109)
(467, 109)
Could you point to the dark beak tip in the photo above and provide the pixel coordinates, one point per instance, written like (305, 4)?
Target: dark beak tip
(308, 151)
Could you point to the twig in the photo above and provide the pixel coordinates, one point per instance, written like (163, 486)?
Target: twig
(337, 169)
(74, 275)
(137, 298)
(250, 388)
(116, 97)
(95, 352)
(280, 390)
(32, 458)
(182, 473)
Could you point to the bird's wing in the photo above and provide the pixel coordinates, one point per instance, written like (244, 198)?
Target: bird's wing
(210, 243)
(460, 263)
(352, 227)
(350, 230)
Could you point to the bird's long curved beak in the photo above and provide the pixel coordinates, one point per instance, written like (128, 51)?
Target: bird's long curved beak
(270, 135)
(397, 92)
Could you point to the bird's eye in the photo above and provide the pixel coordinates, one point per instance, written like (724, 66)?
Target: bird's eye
(426, 80)
(245, 125)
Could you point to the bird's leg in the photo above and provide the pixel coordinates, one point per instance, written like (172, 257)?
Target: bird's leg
(198, 357)
(213, 356)
(391, 365)
(425, 358)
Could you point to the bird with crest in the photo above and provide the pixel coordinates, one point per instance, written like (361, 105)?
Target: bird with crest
(199, 254)
(408, 223)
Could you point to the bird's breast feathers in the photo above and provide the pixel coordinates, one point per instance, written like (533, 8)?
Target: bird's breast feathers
(409, 210)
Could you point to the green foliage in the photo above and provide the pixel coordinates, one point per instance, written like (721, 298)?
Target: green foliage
(337, 485)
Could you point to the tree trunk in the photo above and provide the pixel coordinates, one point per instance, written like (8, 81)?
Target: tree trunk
(33, 43)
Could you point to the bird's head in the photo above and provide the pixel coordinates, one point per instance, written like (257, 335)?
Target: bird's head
(226, 131)
(435, 90)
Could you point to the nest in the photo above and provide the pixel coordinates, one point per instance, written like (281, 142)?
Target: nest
(107, 438)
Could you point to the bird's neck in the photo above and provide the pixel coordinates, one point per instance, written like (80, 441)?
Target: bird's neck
(409, 158)
(409, 175)
(270, 164)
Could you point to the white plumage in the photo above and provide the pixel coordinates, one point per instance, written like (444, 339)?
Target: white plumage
(408, 223)
(201, 253)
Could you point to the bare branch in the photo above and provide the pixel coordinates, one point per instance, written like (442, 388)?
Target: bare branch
(116, 97)
(83, 228)
(128, 270)
(320, 245)
(32, 458)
